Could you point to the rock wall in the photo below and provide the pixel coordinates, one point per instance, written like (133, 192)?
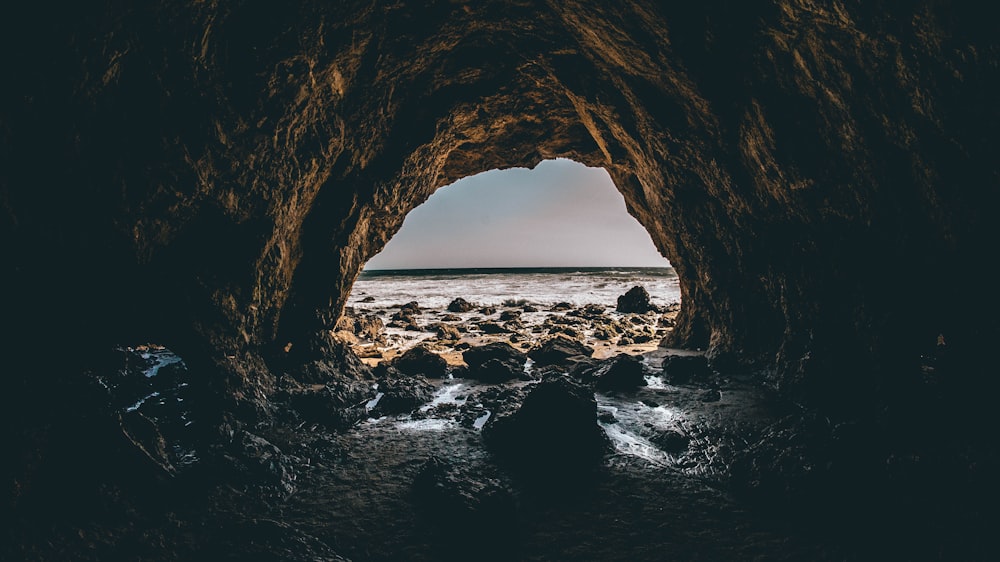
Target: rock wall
(213, 175)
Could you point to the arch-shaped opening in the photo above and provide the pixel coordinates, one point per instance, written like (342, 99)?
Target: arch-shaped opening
(504, 255)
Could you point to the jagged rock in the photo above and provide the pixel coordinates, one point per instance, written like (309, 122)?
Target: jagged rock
(446, 331)
(635, 300)
(365, 326)
(554, 434)
(495, 363)
(401, 395)
(419, 360)
(622, 373)
(336, 405)
(671, 441)
(711, 395)
(492, 328)
(510, 315)
(322, 359)
(478, 505)
(258, 462)
(460, 305)
(682, 369)
(557, 350)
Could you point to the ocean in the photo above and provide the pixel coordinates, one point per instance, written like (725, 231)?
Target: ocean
(543, 287)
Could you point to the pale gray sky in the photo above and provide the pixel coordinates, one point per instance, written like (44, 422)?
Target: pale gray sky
(561, 214)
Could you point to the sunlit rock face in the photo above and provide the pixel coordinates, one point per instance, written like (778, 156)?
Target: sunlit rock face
(213, 175)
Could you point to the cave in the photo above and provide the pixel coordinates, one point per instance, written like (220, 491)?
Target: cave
(212, 178)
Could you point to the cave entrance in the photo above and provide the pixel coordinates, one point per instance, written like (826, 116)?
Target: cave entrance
(514, 255)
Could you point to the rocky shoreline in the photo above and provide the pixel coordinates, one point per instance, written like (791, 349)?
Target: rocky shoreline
(457, 441)
(634, 325)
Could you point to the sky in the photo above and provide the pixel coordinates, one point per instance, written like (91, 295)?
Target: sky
(560, 214)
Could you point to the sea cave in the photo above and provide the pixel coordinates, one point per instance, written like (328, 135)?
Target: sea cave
(189, 190)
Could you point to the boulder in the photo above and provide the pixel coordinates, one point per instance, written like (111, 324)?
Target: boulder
(495, 363)
(402, 395)
(635, 300)
(419, 360)
(557, 350)
(492, 328)
(622, 373)
(467, 508)
(336, 405)
(554, 434)
(682, 369)
(460, 305)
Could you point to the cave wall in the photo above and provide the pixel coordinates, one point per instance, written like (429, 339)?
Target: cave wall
(212, 176)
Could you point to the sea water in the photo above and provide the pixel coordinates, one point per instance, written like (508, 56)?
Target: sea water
(543, 287)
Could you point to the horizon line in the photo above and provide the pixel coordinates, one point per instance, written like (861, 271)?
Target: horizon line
(669, 266)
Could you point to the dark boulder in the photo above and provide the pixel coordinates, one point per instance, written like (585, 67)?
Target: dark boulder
(402, 395)
(671, 441)
(460, 305)
(446, 331)
(622, 373)
(495, 363)
(561, 307)
(683, 369)
(557, 350)
(492, 328)
(635, 300)
(419, 360)
(553, 435)
(466, 508)
(336, 405)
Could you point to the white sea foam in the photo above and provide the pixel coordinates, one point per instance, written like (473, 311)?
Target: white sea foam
(437, 288)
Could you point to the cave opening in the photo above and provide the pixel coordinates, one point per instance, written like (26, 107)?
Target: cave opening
(515, 255)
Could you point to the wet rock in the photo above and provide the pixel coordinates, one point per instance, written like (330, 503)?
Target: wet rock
(635, 300)
(324, 358)
(671, 441)
(556, 350)
(528, 308)
(368, 299)
(568, 331)
(623, 373)
(419, 360)
(257, 462)
(460, 305)
(336, 405)
(553, 435)
(682, 369)
(510, 315)
(365, 326)
(591, 311)
(450, 318)
(492, 328)
(561, 306)
(144, 435)
(495, 363)
(410, 308)
(446, 331)
(712, 395)
(513, 325)
(476, 505)
(402, 395)
(488, 310)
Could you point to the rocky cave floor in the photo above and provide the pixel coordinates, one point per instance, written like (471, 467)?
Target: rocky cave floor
(560, 453)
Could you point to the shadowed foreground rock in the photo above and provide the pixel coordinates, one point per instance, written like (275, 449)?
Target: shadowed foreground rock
(553, 436)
